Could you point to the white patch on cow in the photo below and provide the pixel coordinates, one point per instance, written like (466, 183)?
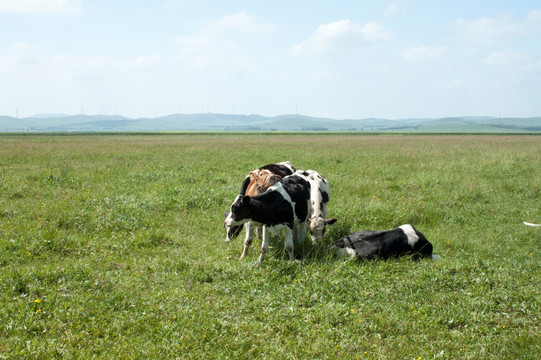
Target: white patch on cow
(343, 252)
(228, 221)
(275, 229)
(410, 233)
(280, 188)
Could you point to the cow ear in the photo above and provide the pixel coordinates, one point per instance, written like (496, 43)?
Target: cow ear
(277, 178)
(330, 221)
(246, 199)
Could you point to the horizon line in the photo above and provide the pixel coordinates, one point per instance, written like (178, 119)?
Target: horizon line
(62, 115)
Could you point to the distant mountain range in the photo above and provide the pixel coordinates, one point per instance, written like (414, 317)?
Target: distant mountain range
(295, 122)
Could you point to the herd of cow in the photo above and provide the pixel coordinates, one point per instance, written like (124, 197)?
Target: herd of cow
(278, 197)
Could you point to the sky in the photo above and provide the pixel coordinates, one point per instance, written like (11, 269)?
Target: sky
(338, 59)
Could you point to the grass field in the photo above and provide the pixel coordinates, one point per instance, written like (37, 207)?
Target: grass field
(112, 246)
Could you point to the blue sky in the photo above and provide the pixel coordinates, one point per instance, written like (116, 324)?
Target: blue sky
(340, 59)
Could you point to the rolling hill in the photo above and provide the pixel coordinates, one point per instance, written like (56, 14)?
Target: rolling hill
(292, 122)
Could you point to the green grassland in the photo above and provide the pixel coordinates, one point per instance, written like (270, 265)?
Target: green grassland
(112, 246)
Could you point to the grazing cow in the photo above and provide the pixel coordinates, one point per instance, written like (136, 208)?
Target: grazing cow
(319, 198)
(283, 206)
(369, 244)
(257, 182)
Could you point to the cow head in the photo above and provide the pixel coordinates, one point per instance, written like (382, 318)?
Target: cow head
(263, 179)
(232, 231)
(240, 212)
(318, 227)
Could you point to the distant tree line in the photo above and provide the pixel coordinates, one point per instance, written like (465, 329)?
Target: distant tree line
(516, 127)
(314, 128)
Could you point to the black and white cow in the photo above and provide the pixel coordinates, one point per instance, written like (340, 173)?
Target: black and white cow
(320, 194)
(370, 244)
(284, 205)
(256, 182)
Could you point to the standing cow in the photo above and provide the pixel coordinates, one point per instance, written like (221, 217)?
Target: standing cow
(257, 182)
(284, 205)
(320, 194)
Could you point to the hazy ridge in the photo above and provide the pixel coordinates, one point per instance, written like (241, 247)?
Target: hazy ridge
(291, 122)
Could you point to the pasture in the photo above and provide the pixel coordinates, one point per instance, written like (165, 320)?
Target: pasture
(112, 246)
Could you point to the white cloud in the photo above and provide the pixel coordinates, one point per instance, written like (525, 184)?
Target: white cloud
(342, 34)
(41, 6)
(423, 53)
(22, 47)
(497, 29)
(534, 17)
(219, 43)
(241, 22)
(171, 4)
(396, 7)
(27, 66)
(509, 57)
(213, 32)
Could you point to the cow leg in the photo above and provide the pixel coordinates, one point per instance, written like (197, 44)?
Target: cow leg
(264, 244)
(301, 233)
(249, 227)
(260, 231)
(288, 243)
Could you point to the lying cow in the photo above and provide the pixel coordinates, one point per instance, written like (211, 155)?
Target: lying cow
(257, 182)
(319, 198)
(283, 206)
(369, 244)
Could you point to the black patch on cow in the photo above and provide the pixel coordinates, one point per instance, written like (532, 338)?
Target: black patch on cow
(324, 196)
(299, 191)
(269, 208)
(278, 169)
(234, 231)
(244, 185)
(371, 244)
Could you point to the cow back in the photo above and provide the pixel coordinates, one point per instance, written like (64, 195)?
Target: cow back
(298, 190)
(280, 169)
